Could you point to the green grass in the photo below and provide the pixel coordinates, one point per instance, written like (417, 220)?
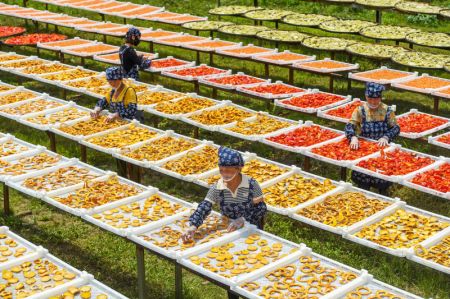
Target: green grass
(112, 259)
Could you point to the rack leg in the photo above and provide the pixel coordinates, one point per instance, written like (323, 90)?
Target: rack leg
(151, 47)
(178, 281)
(196, 132)
(196, 87)
(266, 70)
(140, 271)
(291, 76)
(211, 58)
(52, 138)
(307, 163)
(378, 16)
(232, 295)
(331, 87)
(214, 93)
(83, 153)
(6, 209)
(344, 174)
(197, 57)
(436, 105)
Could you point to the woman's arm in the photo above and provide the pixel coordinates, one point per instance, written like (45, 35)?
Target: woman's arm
(204, 208)
(352, 127)
(394, 128)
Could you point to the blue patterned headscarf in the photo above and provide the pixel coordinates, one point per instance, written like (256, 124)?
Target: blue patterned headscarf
(229, 157)
(374, 90)
(133, 36)
(114, 73)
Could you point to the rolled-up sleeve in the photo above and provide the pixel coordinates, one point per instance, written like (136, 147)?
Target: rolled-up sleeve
(204, 208)
(354, 125)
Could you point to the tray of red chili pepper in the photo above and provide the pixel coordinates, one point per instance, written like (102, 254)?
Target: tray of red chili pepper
(342, 113)
(7, 31)
(233, 81)
(169, 64)
(195, 73)
(442, 140)
(302, 137)
(434, 180)
(394, 163)
(273, 90)
(313, 101)
(415, 124)
(33, 39)
(338, 151)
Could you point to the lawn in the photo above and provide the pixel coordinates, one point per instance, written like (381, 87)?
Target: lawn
(112, 259)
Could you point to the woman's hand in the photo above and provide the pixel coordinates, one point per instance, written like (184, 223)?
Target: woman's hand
(112, 117)
(383, 141)
(189, 234)
(354, 143)
(236, 224)
(96, 113)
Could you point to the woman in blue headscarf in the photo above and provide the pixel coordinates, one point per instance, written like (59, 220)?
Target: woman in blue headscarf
(130, 61)
(373, 120)
(239, 197)
(121, 101)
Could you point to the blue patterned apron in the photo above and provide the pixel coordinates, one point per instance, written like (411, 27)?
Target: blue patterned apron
(372, 130)
(251, 212)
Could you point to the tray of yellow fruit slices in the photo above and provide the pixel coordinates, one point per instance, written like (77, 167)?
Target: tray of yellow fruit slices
(156, 95)
(433, 252)
(257, 127)
(213, 118)
(183, 106)
(96, 86)
(36, 275)
(29, 162)
(397, 229)
(342, 208)
(84, 197)
(5, 87)
(371, 289)
(44, 120)
(156, 150)
(13, 247)
(289, 191)
(10, 66)
(146, 211)
(81, 127)
(22, 108)
(59, 78)
(166, 239)
(189, 164)
(49, 68)
(56, 178)
(236, 255)
(6, 57)
(302, 275)
(262, 170)
(16, 95)
(11, 146)
(86, 288)
(112, 141)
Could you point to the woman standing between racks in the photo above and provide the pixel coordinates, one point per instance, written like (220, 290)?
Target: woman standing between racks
(240, 197)
(373, 120)
(130, 61)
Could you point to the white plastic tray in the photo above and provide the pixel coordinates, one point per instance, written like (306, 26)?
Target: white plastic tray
(141, 235)
(196, 45)
(284, 102)
(60, 83)
(401, 252)
(256, 137)
(85, 140)
(26, 120)
(407, 181)
(185, 209)
(194, 78)
(224, 104)
(270, 95)
(298, 149)
(392, 178)
(342, 188)
(17, 90)
(434, 240)
(21, 243)
(360, 76)
(17, 181)
(440, 92)
(402, 85)
(49, 45)
(52, 104)
(259, 276)
(50, 196)
(186, 64)
(238, 240)
(75, 51)
(208, 81)
(434, 140)
(166, 40)
(264, 51)
(13, 146)
(173, 20)
(347, 67)
(148, 164)
(423, 133)
(158, 88)
(151, 39)
(16, 159)
(324, 113)
(264, 58)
